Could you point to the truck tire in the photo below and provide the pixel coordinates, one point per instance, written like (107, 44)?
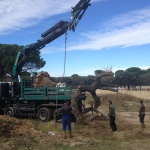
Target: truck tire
(9, 112)
(44, 114)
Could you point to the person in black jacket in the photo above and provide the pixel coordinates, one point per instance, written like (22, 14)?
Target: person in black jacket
(142, 113)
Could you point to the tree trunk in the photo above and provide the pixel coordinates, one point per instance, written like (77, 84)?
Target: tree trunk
(92, 89)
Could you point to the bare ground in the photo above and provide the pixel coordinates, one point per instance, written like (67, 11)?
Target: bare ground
(29, 134)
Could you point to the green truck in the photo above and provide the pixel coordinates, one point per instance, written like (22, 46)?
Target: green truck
(38, 102)
(16, 99)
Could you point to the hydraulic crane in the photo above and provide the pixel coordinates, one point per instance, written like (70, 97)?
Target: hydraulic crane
(48, 36)
(40, 102)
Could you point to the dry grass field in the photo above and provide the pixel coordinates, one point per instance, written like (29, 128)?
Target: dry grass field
(29, 134)
(139, 94)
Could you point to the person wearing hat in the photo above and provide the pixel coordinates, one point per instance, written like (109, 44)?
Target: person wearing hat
(66, 118)
(142, 113)
(112, 115)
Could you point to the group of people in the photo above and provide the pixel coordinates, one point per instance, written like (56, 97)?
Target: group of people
(112, 115)
(66, 117)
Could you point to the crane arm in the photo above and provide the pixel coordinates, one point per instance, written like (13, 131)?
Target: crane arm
(48, 36)
(77, 13)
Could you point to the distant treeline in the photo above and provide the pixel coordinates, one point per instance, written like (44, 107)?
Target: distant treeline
(131, 76)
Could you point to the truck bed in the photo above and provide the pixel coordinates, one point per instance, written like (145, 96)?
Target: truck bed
(46, 93)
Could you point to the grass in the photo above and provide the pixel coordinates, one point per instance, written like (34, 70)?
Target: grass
(33, 135)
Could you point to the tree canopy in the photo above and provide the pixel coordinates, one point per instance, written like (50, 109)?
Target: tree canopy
(8, 54)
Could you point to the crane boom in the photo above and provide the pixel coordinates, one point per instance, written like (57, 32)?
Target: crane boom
(48, 36)
(77, 12)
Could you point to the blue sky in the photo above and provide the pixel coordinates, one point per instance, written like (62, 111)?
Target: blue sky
(112, 33)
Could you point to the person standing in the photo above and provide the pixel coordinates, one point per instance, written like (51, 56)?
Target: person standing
(142, 113)
(66, 118)
(112, 115)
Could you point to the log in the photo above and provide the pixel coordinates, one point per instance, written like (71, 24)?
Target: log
(92, 117)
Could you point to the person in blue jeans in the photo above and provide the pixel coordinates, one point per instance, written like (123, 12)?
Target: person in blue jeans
(66, 118)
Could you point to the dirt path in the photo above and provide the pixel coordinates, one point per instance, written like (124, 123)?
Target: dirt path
(130, 133)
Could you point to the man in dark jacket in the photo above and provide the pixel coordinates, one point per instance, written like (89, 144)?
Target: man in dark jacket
(112, 115)
(142, 113)
(66, 118)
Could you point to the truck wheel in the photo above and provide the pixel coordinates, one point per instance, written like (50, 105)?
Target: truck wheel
(44, 114)
(9, 112)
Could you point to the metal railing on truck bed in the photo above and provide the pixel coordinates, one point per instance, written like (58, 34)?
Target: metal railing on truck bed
(46, 93)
